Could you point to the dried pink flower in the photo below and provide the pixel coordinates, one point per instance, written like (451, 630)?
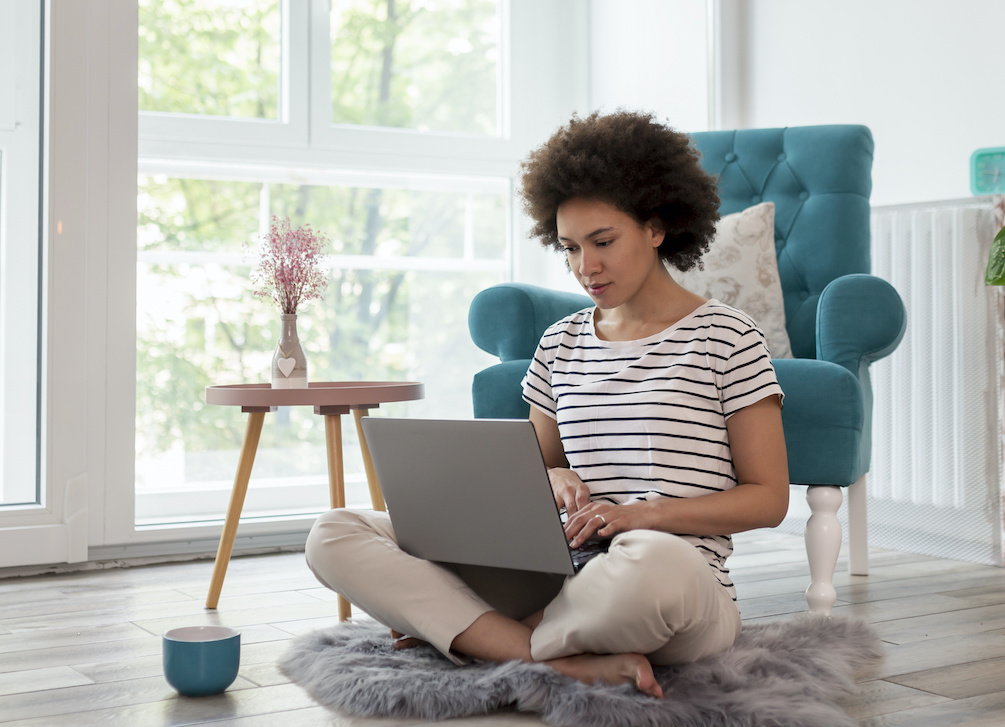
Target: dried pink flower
(291, 266)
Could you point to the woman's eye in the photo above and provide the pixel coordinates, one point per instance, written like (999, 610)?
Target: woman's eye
(569, 249)
(604, 243)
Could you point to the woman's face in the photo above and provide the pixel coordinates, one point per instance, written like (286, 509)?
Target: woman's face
(611, 255)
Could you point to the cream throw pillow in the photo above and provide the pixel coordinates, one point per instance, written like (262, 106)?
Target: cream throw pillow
(741, 270)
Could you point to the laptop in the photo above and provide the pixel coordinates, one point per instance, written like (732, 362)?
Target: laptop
(472, 492)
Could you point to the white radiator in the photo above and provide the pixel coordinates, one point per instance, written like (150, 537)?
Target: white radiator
(935, 485)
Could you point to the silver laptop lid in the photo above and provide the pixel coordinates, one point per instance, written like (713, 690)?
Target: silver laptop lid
(471, 491)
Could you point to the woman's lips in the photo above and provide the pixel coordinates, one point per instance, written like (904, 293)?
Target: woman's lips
(597, 289)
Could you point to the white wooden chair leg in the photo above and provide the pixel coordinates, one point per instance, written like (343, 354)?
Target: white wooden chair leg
(823, 543)
(858, 535)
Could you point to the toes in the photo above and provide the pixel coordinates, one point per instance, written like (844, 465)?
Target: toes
(654, 690)
(645, 682)
(407, 642)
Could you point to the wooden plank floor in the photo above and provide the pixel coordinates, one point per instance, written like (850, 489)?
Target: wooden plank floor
(84, 648)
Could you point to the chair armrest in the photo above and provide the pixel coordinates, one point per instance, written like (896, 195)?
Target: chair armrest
(496, 392)
(860, 319)
(507, 320)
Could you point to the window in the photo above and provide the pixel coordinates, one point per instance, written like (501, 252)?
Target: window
(99, 423)
(406, 262)
(20, 245)
(430, 65)
(212, 58)
(392, 149)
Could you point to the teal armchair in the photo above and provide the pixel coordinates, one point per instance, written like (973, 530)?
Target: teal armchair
(839, 318)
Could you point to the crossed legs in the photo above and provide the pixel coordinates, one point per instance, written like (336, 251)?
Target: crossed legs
(651, 600)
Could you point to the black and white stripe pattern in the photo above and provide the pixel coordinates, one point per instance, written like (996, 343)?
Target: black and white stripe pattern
(643, 420)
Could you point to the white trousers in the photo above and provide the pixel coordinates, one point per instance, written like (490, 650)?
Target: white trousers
(652, 593)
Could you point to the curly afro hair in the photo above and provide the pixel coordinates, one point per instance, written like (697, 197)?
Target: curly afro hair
(629, 160)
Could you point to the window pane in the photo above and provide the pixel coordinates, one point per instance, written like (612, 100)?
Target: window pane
(405, 266)
(20, 240)
(211, 57)
(429, 65)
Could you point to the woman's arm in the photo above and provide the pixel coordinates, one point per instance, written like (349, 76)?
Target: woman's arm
(570, 491)
(760, 498)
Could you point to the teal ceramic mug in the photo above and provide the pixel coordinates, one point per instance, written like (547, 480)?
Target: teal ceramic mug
(201, 660)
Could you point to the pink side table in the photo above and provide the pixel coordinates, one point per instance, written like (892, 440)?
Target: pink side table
(330, 399)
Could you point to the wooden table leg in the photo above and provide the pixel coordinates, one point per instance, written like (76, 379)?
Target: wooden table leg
(336, 484)
(336, 476)
(376, 495)
(248, 449)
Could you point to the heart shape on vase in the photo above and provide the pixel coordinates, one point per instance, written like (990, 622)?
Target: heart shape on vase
(286, 365)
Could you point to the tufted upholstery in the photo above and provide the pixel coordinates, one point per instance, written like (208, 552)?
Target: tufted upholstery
(819, 178)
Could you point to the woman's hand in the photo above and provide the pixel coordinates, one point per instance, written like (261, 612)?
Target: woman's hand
(602, 520)
(570, 491)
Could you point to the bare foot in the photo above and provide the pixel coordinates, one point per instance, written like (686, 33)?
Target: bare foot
(401, 641)
(611, 669)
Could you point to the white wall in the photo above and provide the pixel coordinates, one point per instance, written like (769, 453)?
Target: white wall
(924, 75)
(651, 55)
(645, 55)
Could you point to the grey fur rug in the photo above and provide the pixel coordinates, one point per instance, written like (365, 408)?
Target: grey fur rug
(784, 674)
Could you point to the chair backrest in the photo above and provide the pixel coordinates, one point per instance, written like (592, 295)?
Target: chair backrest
(820, 179)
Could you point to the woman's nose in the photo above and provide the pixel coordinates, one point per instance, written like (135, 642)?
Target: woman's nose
(589, 262)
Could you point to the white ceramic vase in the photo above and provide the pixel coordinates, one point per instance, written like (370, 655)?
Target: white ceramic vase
(289, 364)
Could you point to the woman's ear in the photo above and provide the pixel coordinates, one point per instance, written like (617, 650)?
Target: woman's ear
(656, 231)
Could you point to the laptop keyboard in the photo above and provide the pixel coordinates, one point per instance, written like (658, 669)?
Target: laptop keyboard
(587, 552)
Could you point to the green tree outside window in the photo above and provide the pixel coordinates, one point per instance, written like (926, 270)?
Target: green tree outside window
(424, 65)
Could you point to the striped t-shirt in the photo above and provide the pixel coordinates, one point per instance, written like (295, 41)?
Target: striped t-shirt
(646, 419)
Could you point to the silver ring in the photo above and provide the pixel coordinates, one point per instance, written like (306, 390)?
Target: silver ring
(601, 519)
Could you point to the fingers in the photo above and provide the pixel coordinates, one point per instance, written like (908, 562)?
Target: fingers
(604, 520)
(590, 521)
(581, 537)
(570, 491)
(564, 500)
(576, 499)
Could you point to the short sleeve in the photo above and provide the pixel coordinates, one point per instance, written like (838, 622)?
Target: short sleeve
(537, 382)
(748, 375)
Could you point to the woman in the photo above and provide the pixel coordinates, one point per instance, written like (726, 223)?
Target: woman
(659, 417)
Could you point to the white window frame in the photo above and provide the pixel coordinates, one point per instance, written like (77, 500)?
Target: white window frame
(20, 149)
(395, 143)
(547, 81)
(87, 203)
(89, 347)
(207, 501)
(289, 130)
